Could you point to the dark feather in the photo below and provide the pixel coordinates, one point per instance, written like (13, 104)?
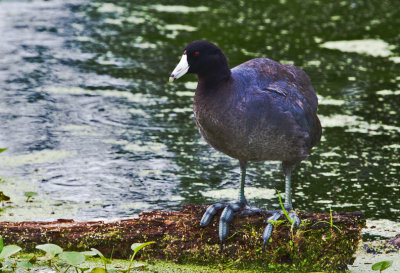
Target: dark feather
(265, 111)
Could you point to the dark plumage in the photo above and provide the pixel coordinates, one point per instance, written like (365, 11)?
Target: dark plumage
(260, 110)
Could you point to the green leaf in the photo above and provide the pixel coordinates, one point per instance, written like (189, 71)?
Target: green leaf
(1, 244)
(2, 150)
(276, 222)
(89, 253)
(4, 197)
(283, 209)
(50, 249)
(97, 252)
(30, 193)
(8, 251)
(25, 264)
(33, 260)
(98, 270)
(104, 259)
(138, 266)
(134, 267)
(138, 246)
(72, 258)
(382, 265)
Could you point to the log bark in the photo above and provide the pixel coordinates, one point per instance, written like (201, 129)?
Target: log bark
(316, 245)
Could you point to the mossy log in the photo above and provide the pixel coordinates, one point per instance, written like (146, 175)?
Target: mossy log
(178, 237)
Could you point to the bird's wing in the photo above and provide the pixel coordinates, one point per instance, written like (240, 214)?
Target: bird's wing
(303, 85)
(277, 88)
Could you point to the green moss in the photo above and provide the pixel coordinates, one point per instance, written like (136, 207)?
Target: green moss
(315, 247)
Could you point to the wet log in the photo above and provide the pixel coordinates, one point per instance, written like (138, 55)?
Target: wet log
(317, 244)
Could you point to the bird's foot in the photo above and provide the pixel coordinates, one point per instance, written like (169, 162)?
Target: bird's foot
(294, 219)
(230, 210)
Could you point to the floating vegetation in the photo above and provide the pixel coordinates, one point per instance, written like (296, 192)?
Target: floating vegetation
(178, 9)
(251, 193)
(38, 157)
(372, 47)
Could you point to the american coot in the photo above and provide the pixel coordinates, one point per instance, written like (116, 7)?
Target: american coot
(259, 110)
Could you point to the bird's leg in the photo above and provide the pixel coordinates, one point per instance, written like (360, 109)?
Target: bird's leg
(239, 207)
(287, 205)
(229, 211)
(243, 166)
(212, 210)
(288, 200)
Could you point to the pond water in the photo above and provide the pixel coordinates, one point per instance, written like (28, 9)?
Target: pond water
(93, 126)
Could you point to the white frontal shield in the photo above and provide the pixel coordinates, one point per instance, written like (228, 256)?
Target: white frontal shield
(180, 69)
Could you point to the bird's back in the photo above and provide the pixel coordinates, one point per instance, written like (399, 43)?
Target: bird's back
(267, 111)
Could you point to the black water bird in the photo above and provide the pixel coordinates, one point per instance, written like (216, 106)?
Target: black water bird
(259, 110)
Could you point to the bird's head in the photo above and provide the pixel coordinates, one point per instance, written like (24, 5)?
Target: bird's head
(199, 57)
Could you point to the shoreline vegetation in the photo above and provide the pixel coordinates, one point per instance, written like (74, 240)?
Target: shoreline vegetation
(324, 241)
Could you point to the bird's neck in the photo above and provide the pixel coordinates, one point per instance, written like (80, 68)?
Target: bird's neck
(213, 78)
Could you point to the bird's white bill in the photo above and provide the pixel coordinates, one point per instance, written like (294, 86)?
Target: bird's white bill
(180, 69)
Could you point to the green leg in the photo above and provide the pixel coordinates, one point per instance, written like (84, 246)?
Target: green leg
(230, 210)
(288, 206)
(288, 191)
(243, 165)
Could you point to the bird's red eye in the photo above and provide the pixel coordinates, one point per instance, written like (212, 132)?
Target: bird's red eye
(196, 53)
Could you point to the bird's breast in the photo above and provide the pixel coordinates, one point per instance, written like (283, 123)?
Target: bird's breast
(245, 130)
